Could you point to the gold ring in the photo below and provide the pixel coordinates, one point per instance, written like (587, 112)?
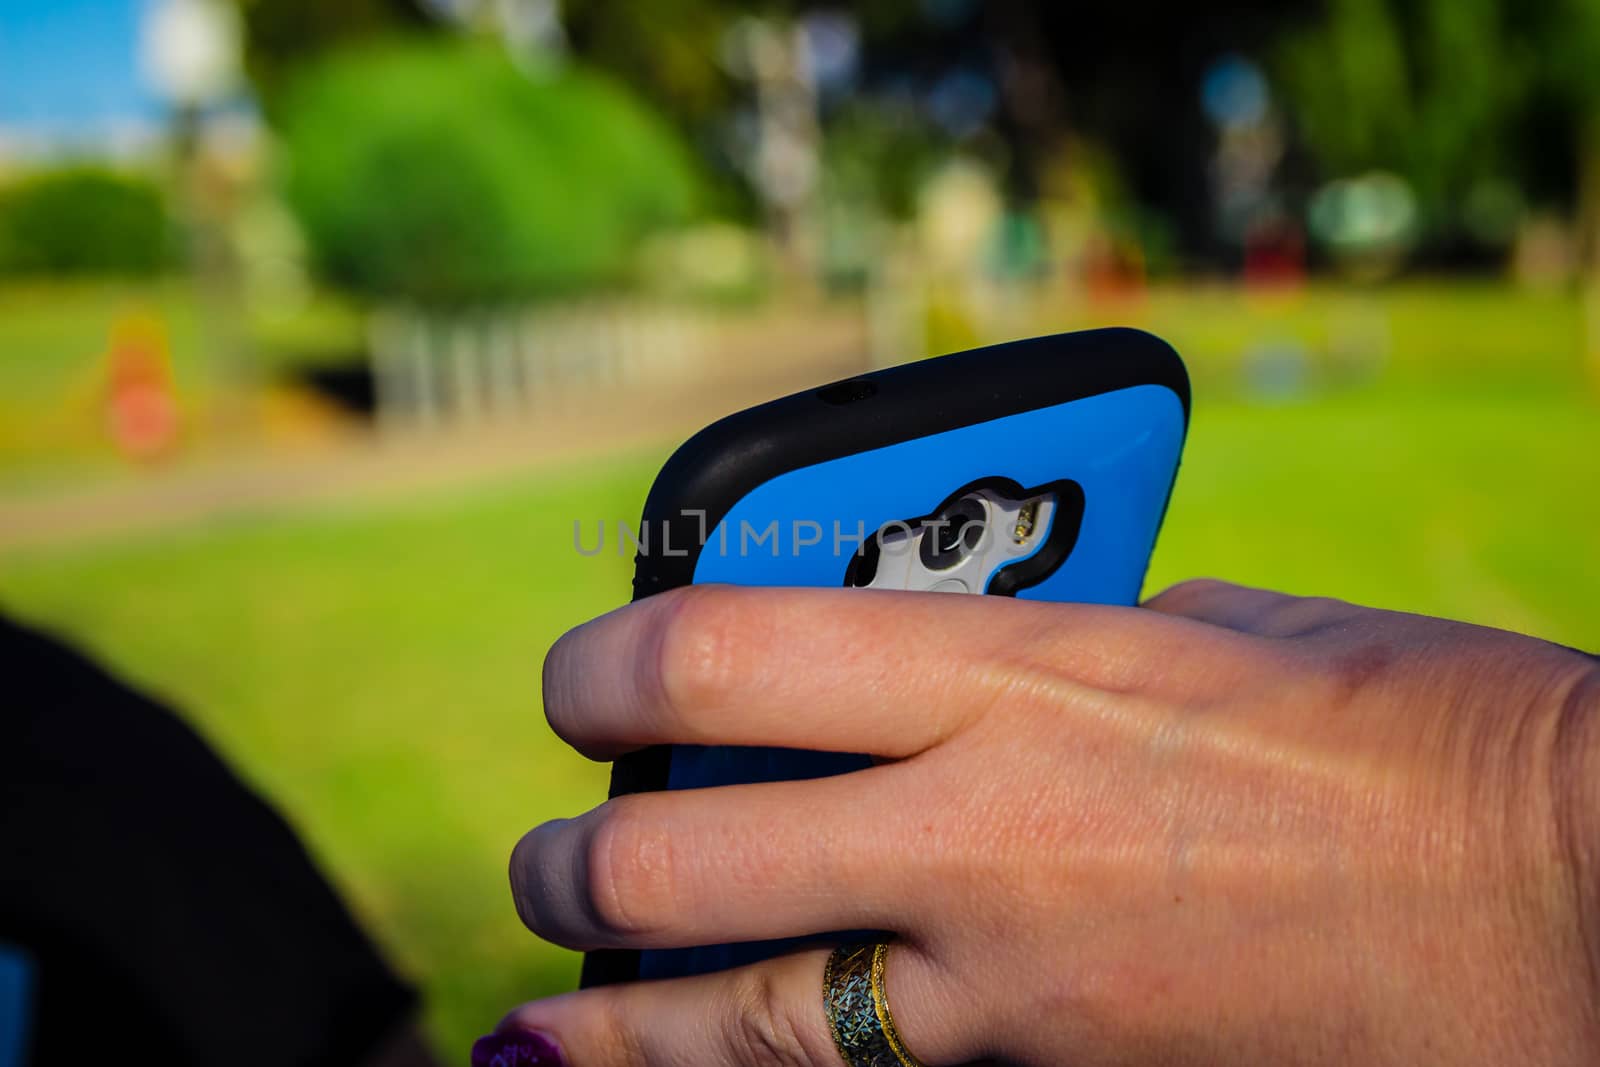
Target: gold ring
(858, 1007)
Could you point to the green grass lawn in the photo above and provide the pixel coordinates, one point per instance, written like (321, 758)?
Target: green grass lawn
(375, 670)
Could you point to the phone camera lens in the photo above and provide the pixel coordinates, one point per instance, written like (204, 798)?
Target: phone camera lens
(953, 534)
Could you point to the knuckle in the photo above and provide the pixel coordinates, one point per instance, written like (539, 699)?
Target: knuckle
(698, 650)
(1197, 589)
(1303, 616)
(617, 1031)
(1354, 670)
(1192, 591)
(764, 1028)
(629, 872)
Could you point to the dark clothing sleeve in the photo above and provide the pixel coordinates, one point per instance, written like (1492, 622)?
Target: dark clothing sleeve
(169, 911)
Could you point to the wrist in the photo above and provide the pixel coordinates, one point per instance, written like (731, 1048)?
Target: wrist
(1577, 797)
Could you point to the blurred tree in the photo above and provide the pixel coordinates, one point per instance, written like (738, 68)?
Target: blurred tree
(1450, 93)
(1456, 92)
(675, 53)
(1566, 34)
(1425, 88)
(1570, 31)
(279, 34)
(879, 156)
(440, 173)
(1349, 84)
(669, 49)
(1104, 74)
(83, 220)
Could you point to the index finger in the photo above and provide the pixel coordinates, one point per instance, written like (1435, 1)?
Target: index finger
(843, 670)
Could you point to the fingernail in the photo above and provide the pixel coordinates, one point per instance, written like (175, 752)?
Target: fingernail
(516, 1048)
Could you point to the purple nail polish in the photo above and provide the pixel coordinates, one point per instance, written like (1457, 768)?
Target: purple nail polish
(516, 1048)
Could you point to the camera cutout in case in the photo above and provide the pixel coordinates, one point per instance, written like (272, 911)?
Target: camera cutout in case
(990, 536)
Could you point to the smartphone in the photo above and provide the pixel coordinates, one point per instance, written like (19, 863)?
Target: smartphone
(1038, 469)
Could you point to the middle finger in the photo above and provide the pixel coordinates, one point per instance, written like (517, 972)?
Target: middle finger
(733, 863)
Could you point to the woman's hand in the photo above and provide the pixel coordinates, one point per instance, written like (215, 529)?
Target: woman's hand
(1230, 827)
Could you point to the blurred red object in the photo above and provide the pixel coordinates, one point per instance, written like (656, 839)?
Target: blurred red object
(141, 405)
(1275, 255)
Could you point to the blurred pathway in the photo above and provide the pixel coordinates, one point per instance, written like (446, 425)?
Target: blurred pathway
(364, 466)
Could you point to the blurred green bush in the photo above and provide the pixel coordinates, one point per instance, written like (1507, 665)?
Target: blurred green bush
(83, 221)
(441, 173)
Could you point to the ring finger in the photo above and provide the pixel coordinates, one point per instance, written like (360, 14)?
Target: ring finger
(765, 1015)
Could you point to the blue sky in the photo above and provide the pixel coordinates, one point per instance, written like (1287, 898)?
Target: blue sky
(69, 69)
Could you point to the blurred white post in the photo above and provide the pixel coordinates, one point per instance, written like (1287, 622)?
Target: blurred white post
(535, 367)
(425, 411)
(773, 55)
(391, 380)
(463, 370)
(506, 396)
(462, 350)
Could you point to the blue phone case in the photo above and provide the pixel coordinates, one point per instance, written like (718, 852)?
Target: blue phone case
(778, 494)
